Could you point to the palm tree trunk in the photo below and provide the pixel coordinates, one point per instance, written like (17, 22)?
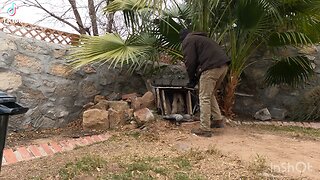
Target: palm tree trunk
(229, 98)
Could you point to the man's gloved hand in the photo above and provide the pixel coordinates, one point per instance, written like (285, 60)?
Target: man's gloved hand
(191, 84)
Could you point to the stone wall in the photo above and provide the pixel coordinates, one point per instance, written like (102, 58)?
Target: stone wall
(254, 95)
(37, 74)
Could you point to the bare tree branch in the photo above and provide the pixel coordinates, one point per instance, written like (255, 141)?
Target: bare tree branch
(38, 5)
(76, 13)
(86, 17)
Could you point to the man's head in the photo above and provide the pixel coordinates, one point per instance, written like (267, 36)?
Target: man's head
(183, 34)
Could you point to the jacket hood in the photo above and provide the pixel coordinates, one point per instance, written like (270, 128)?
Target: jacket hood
(199, 34)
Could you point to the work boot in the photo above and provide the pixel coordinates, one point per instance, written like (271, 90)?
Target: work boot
(201, 132)
(217, 124)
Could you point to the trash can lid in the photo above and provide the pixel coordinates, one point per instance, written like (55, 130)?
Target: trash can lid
(5, 98)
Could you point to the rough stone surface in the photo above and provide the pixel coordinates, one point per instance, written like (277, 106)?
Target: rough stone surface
(117, 118)
(271, 92)
(129, 113)
(119, 105)
(98, 98)
(60, 70)
(148, 100)
(10, 81)
(280, 97)
(136, 103)
(37, 74)
(170, 75)
(279, 114)
(129, 97)
(95, 119)
(144, 115)
(27, 64)
(102, 104)
(263, 115)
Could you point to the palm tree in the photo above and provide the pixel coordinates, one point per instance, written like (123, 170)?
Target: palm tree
(148, 35)
(241, 26)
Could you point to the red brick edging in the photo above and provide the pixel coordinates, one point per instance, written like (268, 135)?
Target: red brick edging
(24, 153)
(312, 125)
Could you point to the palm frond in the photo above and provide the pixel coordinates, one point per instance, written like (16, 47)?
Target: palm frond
(112, 49)
(290, 70)
(249, 13)
(129, 5)
(289, 38)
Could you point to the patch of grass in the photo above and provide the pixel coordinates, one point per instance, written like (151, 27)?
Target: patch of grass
(139, 166)
(36, 178)
(195, 155)
(182, 162)
(161, 170)
(259, 165)
(86, 164)
(181, 176)
(131, 175)
(134, 134)
(186, 176)
(156, 168)
(292, 130)
(143, 168)
(113, 138)
(213, 151)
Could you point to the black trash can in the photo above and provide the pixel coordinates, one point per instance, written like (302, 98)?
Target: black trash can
(8, 107)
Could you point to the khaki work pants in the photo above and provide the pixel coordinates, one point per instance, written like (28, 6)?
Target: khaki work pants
(210, 81)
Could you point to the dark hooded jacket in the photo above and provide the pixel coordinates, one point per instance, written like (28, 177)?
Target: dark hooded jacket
(202, 53)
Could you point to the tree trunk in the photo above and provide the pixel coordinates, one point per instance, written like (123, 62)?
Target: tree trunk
(110, 18)
(77, 16)
(110, 22)
(93, 17)
(229, 98)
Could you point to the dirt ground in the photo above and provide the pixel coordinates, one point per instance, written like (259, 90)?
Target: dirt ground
(242, 152)
(73, 130)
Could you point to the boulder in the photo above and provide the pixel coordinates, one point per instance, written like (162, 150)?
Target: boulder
(129, 127)
(144, 115)
(136, 103)
(129, 113)
(117, 118)
(148, 100)
(98, 98)
(114, 96)
(263, 115)
(95, 119)
(119, 105)
(278, 113)
(129, 97)
(102, 104)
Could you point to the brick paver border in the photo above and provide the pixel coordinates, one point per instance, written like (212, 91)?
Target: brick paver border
(24, 153)
(312, 125)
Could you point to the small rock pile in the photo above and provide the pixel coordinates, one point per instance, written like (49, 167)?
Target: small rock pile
(103, 114)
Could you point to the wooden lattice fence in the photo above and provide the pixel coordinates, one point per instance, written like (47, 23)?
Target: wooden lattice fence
(32, 31)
